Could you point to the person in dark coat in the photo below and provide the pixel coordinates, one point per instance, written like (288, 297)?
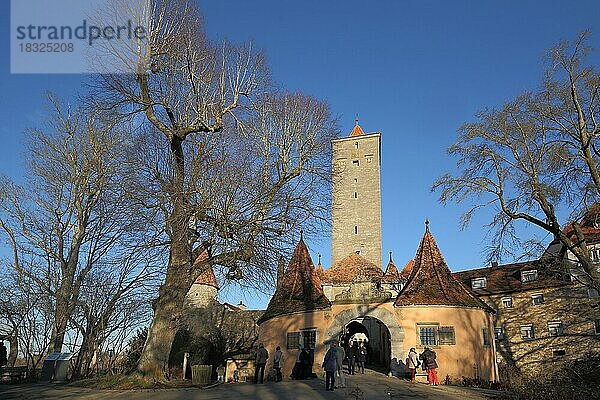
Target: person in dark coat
(3, 355)
(351, 354)
(310, 360)
(362, 357)
(330, 366)
(298, 371)
(278, 364)
(429, 364)
(261, 360)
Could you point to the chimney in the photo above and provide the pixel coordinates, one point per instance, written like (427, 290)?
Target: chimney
(242, 306)
(494, 264)
(280, 269)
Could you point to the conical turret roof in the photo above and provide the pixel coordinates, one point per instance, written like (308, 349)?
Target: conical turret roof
(299, 288)
(432, 283)
(207, 277)
(320, 270)
(391, 274)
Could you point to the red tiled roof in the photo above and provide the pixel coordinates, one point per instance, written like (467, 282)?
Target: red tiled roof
(299, 288)
(351, 267)
(589, 225)
(507, 278)
(320, 272)
(208, 276)
(391, 274)
(432, 283)
(357, 131)
(407, 270)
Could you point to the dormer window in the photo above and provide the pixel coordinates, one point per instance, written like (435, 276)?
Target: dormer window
(478, 283)
(529, 276)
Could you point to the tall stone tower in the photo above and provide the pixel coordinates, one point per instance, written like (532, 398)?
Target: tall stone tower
(356, 197)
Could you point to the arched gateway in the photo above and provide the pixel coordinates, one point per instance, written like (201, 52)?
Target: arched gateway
(396, 334)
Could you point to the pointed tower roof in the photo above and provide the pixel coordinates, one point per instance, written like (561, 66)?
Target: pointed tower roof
(320, 270)
(407, 270)
(432, 283)
(208, 276)
(391, 274)
(351, 267)
(357, 131)
(299, 289)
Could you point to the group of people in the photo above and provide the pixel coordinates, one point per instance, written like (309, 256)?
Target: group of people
(427, 360)
(356, 355)
(302, 368)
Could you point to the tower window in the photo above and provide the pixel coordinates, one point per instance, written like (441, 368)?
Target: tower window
(355, 162)
(356, 230)
(356, 144)
(355, 180)
(356, 195)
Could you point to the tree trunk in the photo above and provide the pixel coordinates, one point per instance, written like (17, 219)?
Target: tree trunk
(168, 307)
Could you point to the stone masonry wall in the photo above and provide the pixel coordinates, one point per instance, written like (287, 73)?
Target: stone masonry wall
(569, 306)
(356, 198)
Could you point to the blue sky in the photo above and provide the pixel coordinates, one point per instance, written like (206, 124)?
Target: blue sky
(413, 70)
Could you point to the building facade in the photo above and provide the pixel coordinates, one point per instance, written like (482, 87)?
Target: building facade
(355, 299)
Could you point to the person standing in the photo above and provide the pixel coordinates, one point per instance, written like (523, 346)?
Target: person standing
(310, 360)
(341, 379)
(297, 372)
(428, 356)
(330, 366)
(351, 353)
(262, 355)
(278, 364)
(412, 363)
(362, 357)
(3, 355)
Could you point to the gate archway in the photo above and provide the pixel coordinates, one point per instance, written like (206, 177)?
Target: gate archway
(391, 348)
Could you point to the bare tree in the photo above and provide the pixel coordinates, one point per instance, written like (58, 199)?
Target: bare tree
(236, 163)
(536, 156)
(72, 212)
(25, 317)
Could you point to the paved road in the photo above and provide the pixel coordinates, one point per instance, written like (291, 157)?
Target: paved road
(372, 386)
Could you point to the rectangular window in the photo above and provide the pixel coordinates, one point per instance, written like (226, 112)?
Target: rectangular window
(597, 327)
(486, 337)
(355, 162)
(499, 333)
(559, 352)
(527, 331)
(478, 283)
(428, 335)
(356, 195)
(356, 144)
(369, 158)
(309, 338)
(507, 302)
(537, 299)
(293, 340)
(446, 335)
(529, 276)
(595, 256)
(356, 230)
(555, 328)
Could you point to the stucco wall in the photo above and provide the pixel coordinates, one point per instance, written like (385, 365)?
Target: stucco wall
(454, 360)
